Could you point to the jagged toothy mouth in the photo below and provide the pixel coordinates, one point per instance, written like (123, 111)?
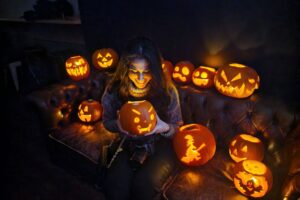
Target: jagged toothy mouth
(234, 91)
(178, 75)
(144, 130)
(200, 81)
(79, 71)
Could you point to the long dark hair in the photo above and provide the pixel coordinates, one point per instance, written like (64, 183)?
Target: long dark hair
(142, 47)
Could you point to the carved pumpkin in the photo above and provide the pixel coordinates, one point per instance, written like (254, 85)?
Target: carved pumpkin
(252, 178)
(236, 80)
(246, 147)
(137, 117)
(194, 144)
(182, 72)
(90, 111)
(105, 58)
(167, 67)
(77, 68)
(203, 77)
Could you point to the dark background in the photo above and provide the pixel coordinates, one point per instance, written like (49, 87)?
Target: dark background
(261, 34)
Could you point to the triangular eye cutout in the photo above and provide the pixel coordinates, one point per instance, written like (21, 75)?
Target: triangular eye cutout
(108, 55)
(223, 75)
(99, 55)
(69, 64)
(245, 149)
(237, 77)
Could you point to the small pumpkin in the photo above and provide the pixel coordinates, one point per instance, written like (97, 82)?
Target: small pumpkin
(105, 58)
(90, 111)
(137, 117)
(194, 144)
(252, 178)
(246, 147)
(77, 68)
(167, 67)
(236, 80)
(182, 72)
(203, 77)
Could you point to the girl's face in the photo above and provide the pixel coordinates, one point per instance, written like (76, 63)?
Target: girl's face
(139, 72)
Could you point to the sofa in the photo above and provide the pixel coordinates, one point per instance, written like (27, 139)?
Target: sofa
(82, 148)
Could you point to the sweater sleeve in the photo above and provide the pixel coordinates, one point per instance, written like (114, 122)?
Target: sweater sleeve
(174, 113)
(109, 116)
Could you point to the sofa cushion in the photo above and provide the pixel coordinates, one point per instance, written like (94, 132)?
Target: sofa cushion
(86, 139)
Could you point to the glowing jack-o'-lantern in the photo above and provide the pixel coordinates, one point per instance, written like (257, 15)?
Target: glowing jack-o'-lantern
(203, 77)
(182, 72)
(194, 144)
(167, 67)
(137, 117)
(252, 178)
(246, 147)
(89, 111)
(236, 80)
(77, 68)
(105, 58)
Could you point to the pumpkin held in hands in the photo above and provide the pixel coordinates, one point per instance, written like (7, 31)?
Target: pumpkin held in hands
(236, 80)
(246, 147)
(105, 58)
(194, 144)
(137, 117)
(77, 68)
(252, 178)
(89, 111)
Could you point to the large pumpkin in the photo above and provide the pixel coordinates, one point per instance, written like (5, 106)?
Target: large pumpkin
(203, 77)
(194, 144)
(77, 68)
(105, 58)
(236, 80)
(90, 111)
(137, 117)
(246, 147)
(182, 72)
(252, 178)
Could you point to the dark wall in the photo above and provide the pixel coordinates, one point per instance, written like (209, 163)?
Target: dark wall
(261, 34)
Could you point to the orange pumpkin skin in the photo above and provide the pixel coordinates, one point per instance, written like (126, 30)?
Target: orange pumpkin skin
(246, 147)
(90, 111)
(105, 58)
(137, 117)
(182, 72)
(167, 67)
(77, 68)
(252, 178)
(236, 80)
(203, 77)
(194, 144)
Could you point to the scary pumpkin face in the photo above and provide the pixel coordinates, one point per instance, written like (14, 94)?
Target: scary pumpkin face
(203, 77)
(182, 72)
(77, 68)
(252, 178)
(137, 117)
(89, 111)
(194, 144)
(246, 147)
(140, 76)
(236, 80)
(105, 58)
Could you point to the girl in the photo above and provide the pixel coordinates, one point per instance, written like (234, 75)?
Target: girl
(139, 171)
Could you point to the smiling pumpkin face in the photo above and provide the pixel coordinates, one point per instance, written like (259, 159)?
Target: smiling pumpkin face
(105, 58)
(236, 80)
(203, 77)
(182, 72)
(137, 117)
(246, 147)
